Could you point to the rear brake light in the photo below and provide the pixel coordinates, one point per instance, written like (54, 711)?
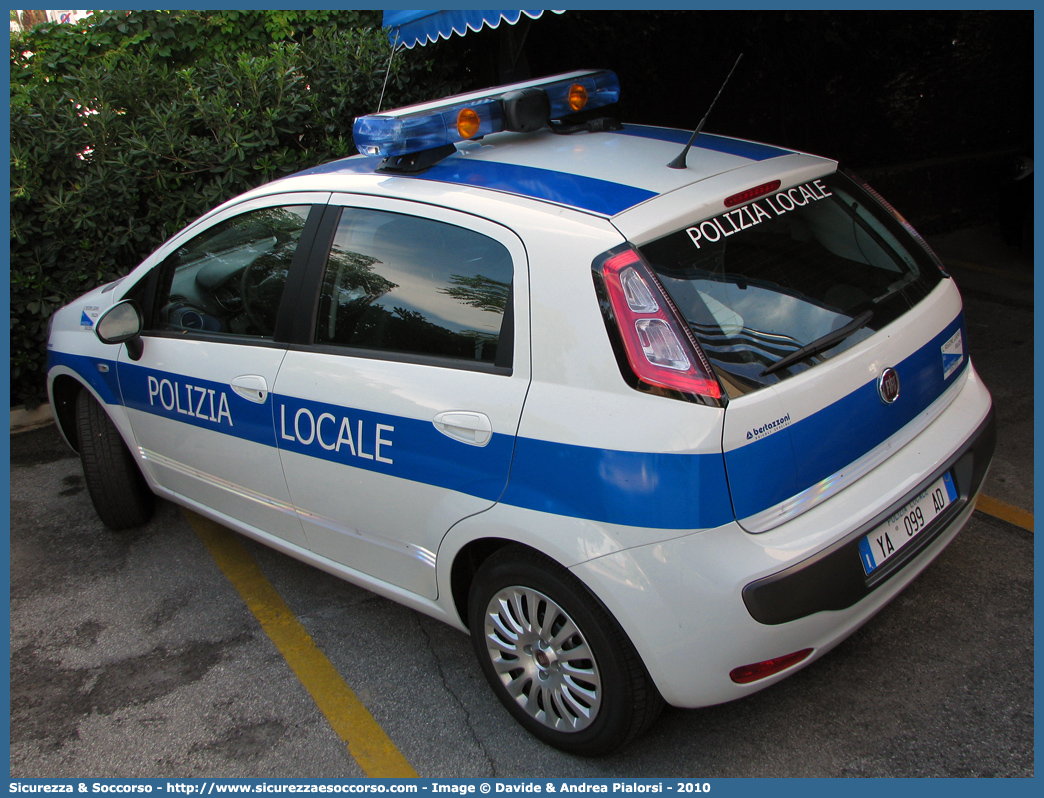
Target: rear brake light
(762, 670)
(659, 349)
(752, 194)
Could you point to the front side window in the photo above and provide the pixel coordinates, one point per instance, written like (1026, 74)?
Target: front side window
(229, 279)
(416, 287)
(819, 266)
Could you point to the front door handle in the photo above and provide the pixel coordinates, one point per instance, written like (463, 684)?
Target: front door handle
(465, 426)
(251, 387)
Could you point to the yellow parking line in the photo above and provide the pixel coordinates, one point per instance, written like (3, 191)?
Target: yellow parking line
(354, 725)
(1005, 512)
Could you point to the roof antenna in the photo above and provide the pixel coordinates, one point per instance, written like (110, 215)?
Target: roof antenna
(679, 162)
(387, 71)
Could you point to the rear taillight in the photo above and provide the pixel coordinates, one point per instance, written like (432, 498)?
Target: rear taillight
(770, 667)
(657, 346)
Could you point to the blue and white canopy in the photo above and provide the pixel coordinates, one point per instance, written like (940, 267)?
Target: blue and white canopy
(410, 28)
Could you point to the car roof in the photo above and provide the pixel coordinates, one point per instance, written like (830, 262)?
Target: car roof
(616, 175)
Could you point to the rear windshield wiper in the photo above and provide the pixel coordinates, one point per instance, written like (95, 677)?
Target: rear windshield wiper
(821, 344)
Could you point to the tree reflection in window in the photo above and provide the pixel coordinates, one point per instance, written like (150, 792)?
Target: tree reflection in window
(479, 291)
(350, 287)
(414, 286)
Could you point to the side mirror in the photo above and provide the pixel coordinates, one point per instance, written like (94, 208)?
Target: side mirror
(121, 324)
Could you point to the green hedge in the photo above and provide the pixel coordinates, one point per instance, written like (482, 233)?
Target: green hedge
(128, 126)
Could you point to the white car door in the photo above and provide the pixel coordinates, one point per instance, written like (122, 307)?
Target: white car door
(199, 398)
(399, 418)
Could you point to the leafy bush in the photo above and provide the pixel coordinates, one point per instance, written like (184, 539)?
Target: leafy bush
(127, 127)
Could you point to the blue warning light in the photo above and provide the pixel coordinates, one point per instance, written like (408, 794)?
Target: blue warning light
(521, 107)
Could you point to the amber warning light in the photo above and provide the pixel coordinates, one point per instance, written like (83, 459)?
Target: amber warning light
(577, 97)
(468, 123)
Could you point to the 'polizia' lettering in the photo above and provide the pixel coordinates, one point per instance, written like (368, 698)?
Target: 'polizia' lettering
(190, 400)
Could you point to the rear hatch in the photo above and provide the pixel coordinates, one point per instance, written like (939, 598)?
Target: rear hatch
(821, 313)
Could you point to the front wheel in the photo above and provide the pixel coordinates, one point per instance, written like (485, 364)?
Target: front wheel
(555, 658)
(119, 492)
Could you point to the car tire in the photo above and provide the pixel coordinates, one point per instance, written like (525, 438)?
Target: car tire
(119, 492)
(585, 692)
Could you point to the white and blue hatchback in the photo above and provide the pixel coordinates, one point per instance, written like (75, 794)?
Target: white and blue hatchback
(649, 434)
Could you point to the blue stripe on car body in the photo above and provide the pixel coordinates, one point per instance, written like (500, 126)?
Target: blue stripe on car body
(655, 490)
(105, 383)
(671, 491)
(750, 150)
(196, 401)
(644, 489)
(562, 188)
(429, 457)
(861, 419)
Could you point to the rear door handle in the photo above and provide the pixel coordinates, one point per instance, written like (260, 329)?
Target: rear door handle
(252, 387)
(465, 426)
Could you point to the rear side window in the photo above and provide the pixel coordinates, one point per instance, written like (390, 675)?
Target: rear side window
(406, 285)
(759, 282)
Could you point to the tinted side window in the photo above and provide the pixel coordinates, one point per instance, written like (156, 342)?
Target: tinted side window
(409, 285)
(230, 278)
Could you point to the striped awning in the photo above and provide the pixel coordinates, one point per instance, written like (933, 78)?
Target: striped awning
(410, 28)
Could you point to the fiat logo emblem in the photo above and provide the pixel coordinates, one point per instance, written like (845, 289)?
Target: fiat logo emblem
(888, 386)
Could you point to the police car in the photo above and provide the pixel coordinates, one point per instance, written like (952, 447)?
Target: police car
(649, 433)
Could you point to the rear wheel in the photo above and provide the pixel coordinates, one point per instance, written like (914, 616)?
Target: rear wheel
(116, 486)
(555, 658)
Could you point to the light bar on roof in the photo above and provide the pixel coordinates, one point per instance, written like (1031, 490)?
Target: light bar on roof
(435, 124)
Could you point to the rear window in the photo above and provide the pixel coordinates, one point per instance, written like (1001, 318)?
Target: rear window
(760, 282)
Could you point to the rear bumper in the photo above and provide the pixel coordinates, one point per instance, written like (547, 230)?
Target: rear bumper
(834, 578)
(682, 600)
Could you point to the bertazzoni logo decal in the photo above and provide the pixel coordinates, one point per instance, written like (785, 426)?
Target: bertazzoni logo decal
(767, 429)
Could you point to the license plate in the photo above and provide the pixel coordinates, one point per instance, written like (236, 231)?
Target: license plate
(888, 539)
